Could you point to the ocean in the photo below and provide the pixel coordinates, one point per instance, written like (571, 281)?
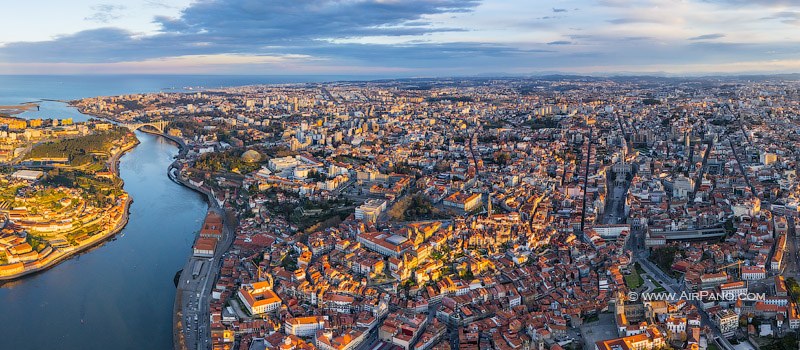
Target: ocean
(49, 91)
(15, 89)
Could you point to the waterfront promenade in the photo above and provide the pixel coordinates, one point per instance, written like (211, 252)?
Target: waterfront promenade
(191, 314)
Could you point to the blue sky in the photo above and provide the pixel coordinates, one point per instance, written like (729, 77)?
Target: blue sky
(399, 37)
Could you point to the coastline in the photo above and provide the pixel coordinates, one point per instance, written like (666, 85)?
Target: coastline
(57, 257)
(12, 110)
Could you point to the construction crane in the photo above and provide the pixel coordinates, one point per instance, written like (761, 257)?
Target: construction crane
(738, 264)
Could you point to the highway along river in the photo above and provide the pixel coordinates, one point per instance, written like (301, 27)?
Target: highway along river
(118, 295)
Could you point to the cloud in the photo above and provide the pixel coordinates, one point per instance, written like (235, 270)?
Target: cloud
(631, 20)
(195, 64)
(437, 37)
(708, 36)
(788, 17)
(614, 3)
(98, 45)
(305, 30)
(280, 21)
(428, 54)
(608, 38)
(637, 38)
(105, 13)
(755, 3)
(158, 4)
(243, 27)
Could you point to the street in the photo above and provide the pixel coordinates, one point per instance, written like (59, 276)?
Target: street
(792, 256)
(192, 319)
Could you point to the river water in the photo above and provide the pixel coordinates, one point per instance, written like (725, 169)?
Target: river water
(118, 295)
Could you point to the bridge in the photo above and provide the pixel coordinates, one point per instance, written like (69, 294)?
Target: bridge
(160, 125)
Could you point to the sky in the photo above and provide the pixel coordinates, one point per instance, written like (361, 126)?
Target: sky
(399, 37)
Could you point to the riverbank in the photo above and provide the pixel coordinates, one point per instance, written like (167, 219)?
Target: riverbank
(182, 147)
(58, 255)
(180, 303)
(113, 161)
(181, 143)
(192, 294)
(178, 312)
(189, 290)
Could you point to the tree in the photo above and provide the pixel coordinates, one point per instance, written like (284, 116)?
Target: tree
(398, 210)
(317, 176)
(651, 101)
(502, 158)
(664, 257)
(442, 166)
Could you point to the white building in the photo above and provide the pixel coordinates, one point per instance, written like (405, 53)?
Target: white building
(259, 298)
(731, 291)
(752, 273)
(304, 326)
(463, 201)
(370, 210)
(676, 325)
(611, 231)
(280, 164)
(346, 341)
(682, 187)
(27, 175)
(727, 321)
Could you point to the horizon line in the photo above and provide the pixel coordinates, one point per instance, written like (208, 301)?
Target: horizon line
(454, 76)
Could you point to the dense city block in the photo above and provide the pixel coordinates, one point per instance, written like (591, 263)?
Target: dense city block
(551, 213)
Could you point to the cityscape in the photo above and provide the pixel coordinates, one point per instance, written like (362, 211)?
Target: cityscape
(404, 206)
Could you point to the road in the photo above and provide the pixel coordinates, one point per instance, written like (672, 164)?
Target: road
(473, 139)
(113, 161)
(792, 256)
(18, 158)
(670, 284)
(702, 171)
(675, 286)
(718, 337)
(192, 317)
(614, 212)
(586, 177)
(328, 94)
(741, 168)
(372, 337)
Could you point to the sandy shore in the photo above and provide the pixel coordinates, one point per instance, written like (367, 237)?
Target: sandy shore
(17, 109)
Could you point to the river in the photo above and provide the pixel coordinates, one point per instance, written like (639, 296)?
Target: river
(120, 294)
